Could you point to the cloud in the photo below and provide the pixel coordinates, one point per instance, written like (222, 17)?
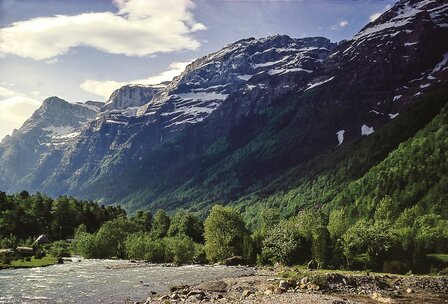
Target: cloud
(14, 111)
(139, 28)
(106, 88)
(4, 93)
(376, 15)
(340, 25)
(343, 23)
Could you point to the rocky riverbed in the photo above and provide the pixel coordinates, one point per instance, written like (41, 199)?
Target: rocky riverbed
(303, 286)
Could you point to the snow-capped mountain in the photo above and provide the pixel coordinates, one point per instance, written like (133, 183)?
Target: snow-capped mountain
(279, 100)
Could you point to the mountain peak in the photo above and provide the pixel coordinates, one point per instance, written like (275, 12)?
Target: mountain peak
(53, 101)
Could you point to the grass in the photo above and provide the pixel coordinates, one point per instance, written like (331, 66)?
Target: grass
(45, 261)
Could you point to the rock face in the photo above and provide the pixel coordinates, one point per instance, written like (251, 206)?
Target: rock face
(278, 101)
(47, 132)
(131, 97)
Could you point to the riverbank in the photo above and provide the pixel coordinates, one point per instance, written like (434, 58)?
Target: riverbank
(33, 262)
(319, 287)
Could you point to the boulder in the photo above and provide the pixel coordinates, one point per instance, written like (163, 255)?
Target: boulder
(313, 264)
(247, 293)
(292, 283)
(283, 284)
(279, 290)
(215, 286)
(304, 281)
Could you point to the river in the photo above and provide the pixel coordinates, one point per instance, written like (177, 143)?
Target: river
(102, 281)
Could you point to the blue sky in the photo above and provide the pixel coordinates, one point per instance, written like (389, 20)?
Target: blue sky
(82, 50)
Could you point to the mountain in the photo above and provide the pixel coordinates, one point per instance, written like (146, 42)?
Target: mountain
(235, 121)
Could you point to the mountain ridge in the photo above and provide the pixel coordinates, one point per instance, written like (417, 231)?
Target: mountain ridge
(241, 116)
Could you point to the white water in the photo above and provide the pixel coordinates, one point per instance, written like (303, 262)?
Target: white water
(102, 281)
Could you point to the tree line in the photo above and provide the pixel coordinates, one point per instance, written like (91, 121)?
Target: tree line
(388, 241)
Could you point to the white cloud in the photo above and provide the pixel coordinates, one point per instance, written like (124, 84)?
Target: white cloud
(340, 25)
(5, 93)
(343, 23)
(14, 111)
(140, 28)
(106, 88)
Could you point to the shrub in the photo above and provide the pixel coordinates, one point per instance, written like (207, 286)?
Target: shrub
(5, 258)
(59, 249)
(39, 254)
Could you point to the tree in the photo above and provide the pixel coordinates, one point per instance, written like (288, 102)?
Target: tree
(226, 235)
(187, 224)
(144, 219)
(161, 224)
(284, 243)
(111, 236)
(181, 249)
(338, 223)
(372, 239)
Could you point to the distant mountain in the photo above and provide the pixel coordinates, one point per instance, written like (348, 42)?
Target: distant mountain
(235, 120)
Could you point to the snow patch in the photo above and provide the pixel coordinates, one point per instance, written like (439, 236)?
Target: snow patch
(315, 84)
(392, 116)
(58, 131)
(204, 96)
(265, 64)
(422, 86)
(244, 77)
(117, 122)
(340, 135)
(441, 64)
(284, 71)
(397, 97)
(410, 43)
(366, 130)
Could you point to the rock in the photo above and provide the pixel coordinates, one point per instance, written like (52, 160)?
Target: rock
(216, 286)
(163, 298)
(178, 287)
(313, 287)
(196, 293)
(247, 293)
(292, 283)
(409, 290)
(268, 292)
(235, 261)
(279, 290)
(174, 296)
(313, 264)
(304, 280)
(283, 284)
(382, 299)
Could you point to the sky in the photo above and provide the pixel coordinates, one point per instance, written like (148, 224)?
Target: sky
(83, 50)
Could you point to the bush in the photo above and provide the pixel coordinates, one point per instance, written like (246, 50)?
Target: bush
(59, 249)
(144, 247)
(5, 258)
(199, 254)
(39, 254)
